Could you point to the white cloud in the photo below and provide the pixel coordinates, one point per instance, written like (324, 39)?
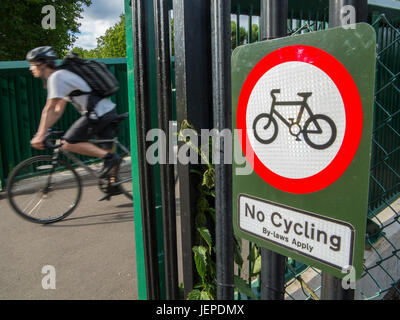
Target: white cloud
(96, 19)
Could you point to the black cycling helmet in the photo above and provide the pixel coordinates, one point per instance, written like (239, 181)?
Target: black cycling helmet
(41, 54)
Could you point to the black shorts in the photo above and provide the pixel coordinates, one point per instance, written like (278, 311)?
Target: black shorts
(83, 130)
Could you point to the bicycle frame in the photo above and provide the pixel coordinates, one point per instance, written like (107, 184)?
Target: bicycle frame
(303, 106)
(89, 170)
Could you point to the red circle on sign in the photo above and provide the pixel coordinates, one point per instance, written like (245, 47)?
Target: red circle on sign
(353, 110)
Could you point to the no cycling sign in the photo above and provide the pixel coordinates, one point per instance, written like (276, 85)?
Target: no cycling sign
(302, 107)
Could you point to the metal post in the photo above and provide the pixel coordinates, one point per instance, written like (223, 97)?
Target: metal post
(332, 289)
(161, 26)
(331, 286)
(273, 19)
(273, 24)
(142, 98)
(251, 24)
(221, 70)
(193, 80)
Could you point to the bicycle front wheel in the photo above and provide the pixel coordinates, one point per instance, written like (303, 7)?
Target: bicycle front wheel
(43, 190)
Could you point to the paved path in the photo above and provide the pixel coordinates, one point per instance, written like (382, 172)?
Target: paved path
(93, 252)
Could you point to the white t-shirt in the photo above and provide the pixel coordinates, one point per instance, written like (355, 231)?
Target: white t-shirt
(62, 82)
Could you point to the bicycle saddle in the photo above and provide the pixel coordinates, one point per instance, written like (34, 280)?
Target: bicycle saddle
(304, 94)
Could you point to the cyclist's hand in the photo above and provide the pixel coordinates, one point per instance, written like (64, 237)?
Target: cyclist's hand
(37, 142)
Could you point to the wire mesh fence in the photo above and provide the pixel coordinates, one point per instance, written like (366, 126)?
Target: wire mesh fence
(381, 275)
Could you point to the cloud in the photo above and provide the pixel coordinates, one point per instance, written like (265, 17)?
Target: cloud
(96, 19)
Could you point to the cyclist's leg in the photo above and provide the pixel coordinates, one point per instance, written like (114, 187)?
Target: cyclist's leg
(105, 131)
(76, 137)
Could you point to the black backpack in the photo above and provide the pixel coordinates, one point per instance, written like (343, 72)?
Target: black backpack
(96, 74)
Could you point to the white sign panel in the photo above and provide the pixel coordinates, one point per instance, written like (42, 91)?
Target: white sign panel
(327, 240)
(297, 120)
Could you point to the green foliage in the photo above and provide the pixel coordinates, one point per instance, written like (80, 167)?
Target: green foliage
(243, 34)
(111, 45)
(87, 54)
(243, 287)
(254, 33)
(204, 250)
(21, 26)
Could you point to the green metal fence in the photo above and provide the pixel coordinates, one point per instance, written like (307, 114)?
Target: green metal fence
(22, 98)
(381, 276)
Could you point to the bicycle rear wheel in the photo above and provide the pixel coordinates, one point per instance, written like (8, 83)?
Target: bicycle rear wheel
(125, 177)
(43, 190)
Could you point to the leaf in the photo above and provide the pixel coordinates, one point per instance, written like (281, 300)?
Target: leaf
(202, 204)
(200, 220)
(253, 254)
(237, 251)
(185, 124)
(209, 178)
(256, 266)
(200, 258)
(194, 295)
(206, 235)
(204, 295)
(243, 287)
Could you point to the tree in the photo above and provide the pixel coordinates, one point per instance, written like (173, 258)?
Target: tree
(242, 35)
(21, 26)
(87, 54)
(112, 44)
(254, 32)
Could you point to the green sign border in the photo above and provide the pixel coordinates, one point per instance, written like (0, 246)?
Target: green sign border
(346, 199)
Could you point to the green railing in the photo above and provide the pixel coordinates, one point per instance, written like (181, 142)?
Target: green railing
(22, 98)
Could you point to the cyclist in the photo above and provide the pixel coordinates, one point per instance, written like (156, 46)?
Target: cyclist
(60, 84)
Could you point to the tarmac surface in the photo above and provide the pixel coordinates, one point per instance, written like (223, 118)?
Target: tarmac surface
(92, 251)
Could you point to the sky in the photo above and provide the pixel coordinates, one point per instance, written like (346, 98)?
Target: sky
(96, 19)
(103, 14)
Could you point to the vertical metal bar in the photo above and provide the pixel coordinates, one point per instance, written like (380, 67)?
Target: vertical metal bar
(193, 79)
(161, 26)
(332, 289)
(331, 286)
(142, 100)
(251, 23)
(238, 25)
(221, 70)
(273, 19)
(139, 241)
(273, 24)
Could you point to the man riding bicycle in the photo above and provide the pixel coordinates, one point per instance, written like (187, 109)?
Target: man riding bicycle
(60, 83)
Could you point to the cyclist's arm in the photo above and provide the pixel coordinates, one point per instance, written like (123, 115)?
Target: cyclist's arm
(51, 112)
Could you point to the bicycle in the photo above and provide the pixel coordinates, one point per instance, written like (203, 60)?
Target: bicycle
(295, 129)
(36, 187)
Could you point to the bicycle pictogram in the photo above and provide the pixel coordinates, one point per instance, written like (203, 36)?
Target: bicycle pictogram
(265, 126)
